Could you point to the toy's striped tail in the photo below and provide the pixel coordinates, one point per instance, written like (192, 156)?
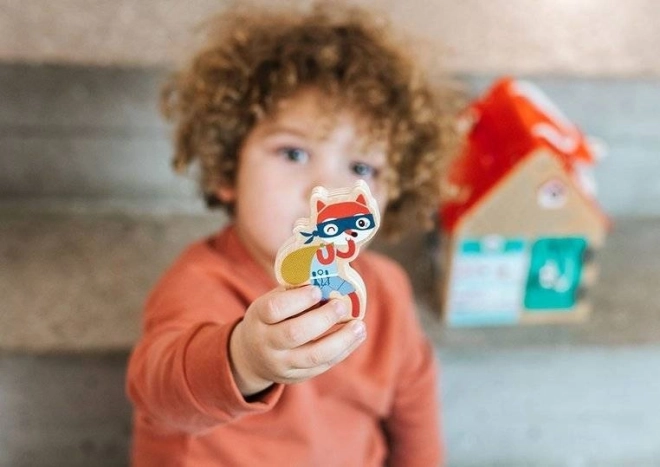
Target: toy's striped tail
(355, 304)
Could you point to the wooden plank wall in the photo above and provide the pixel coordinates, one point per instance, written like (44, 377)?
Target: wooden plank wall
(92, 136)
(585, 38)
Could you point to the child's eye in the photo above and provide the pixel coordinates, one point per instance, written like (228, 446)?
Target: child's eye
(363, 170)
(295, 154)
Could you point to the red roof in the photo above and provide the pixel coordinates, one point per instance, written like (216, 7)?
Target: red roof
(508, 123)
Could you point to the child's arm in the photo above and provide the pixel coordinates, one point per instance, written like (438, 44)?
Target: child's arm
(413, 425)
(277, 343)
(180, 375)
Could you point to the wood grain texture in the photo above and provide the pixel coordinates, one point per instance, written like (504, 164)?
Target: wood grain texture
(585, 38)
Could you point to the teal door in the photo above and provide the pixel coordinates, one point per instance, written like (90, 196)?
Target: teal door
(555, 272)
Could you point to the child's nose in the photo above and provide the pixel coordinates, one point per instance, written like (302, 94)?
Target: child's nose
(328, 173)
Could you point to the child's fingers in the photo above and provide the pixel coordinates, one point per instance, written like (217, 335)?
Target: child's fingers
(308, 326)
(279, 305)
(320, 355)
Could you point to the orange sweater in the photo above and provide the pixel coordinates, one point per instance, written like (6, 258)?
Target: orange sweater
(378, 406)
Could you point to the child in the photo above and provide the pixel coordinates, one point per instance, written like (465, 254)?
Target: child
(233, 370)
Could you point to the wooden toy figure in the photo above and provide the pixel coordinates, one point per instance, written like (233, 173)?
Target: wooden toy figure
(322, 246)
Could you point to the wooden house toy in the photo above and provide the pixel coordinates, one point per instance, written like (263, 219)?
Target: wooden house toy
(521, 224)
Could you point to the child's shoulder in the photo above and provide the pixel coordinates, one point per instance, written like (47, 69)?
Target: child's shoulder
(219, 256)
(378, 267)
(200, 252)
(204, 254)
(391, 300)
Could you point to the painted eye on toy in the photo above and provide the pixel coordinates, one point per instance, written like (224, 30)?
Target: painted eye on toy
(330, 229)
(363, 223)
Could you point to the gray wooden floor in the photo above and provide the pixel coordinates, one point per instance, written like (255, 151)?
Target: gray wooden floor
(588, 406)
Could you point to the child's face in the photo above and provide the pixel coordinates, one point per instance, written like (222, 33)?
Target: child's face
(284, 157)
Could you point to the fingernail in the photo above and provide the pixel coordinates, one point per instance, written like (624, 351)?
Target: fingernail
(359, 329)
(316, 294)
(341, 309)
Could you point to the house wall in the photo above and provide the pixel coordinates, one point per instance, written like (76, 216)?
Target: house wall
(511, 208)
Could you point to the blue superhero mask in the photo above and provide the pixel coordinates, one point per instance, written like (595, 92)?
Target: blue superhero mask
(333, 227)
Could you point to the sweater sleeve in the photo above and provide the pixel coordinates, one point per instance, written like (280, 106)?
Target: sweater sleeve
(179, 373)
(413, 426)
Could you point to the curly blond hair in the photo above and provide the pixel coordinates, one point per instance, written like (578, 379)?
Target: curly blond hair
(253, 59)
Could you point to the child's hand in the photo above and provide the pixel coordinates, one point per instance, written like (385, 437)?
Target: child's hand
(276, 341)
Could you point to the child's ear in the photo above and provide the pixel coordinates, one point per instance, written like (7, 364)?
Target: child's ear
(361, 199)
(226, 194)
(319, 205)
